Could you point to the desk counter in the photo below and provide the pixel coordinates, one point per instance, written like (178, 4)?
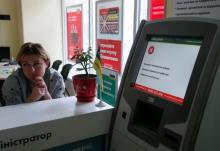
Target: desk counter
(48, 124)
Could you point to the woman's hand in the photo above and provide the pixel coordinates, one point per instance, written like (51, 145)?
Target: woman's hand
(39, 90)
(39, 82)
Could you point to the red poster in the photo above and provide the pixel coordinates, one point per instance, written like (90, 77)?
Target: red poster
(156, 9)
(109, 20)
(74, 30)
(110, 54)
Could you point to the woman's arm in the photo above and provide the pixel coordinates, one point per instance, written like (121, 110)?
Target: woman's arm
(57, 86)
(12, 91)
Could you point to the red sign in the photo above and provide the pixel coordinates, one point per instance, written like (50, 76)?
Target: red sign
(74, 31)
(156, 9)
(110, 51)
(166, 96)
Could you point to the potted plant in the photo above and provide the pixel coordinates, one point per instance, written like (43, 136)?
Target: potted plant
(84, 84)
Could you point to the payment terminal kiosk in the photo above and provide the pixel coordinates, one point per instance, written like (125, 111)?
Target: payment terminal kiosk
(169, 95)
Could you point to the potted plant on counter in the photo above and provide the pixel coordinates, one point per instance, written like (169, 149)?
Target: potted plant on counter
(84, 84)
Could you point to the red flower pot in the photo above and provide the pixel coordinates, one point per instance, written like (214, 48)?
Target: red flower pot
(85, 87)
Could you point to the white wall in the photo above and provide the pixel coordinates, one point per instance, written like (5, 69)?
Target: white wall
(42, 23)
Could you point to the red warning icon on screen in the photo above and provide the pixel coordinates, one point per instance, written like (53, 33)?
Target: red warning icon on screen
(151, 50)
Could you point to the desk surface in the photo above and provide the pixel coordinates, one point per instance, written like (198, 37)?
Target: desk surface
(6, 69)
(31, 113)
(53, 123)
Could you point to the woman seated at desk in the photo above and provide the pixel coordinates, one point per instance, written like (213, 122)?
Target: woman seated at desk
(34, 81)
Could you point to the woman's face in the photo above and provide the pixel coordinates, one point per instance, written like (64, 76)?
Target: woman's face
(33, 66)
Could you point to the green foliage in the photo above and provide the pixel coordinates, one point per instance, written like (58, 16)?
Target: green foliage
(85, 59)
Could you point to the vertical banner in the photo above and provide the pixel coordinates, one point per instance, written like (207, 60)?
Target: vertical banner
(156, 9)
(110, 87)
(109, 33)
(74, 29)
(110, 51)
(196, 8)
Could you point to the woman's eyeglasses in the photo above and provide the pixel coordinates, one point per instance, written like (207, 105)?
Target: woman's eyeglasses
(36, 65)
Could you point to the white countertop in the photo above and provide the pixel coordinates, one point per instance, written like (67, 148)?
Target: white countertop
(42, 111)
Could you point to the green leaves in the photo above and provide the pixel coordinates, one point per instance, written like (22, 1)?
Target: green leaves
(85, 59)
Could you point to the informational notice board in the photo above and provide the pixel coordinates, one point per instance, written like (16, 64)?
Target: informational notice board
(110, 87)
(109, 33)
(74, 29)
(156, 9)
(196, 8)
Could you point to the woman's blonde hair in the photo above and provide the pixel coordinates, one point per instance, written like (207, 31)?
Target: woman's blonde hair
(30, 48)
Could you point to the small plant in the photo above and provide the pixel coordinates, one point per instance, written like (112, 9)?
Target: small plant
(85, 59)
(85, 84)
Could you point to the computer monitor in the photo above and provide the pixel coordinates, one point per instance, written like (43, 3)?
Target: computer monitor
(166, 81)
(164, 73)
(4, 54)
(167, 66)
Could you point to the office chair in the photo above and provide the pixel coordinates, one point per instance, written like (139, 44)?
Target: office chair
(56, 64)
(64, 72)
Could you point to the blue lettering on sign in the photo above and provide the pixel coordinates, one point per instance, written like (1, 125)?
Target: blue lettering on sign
(91, 144)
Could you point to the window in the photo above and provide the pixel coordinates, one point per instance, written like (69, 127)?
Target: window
(133, 12)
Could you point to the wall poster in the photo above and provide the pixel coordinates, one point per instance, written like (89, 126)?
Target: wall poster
(109, 20)
(74, 29)
(110, 51)
(156, 9)
(196, 8)
(109, 33)
(110, 87)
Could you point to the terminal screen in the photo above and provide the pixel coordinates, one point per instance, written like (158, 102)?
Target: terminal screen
(167, 66)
